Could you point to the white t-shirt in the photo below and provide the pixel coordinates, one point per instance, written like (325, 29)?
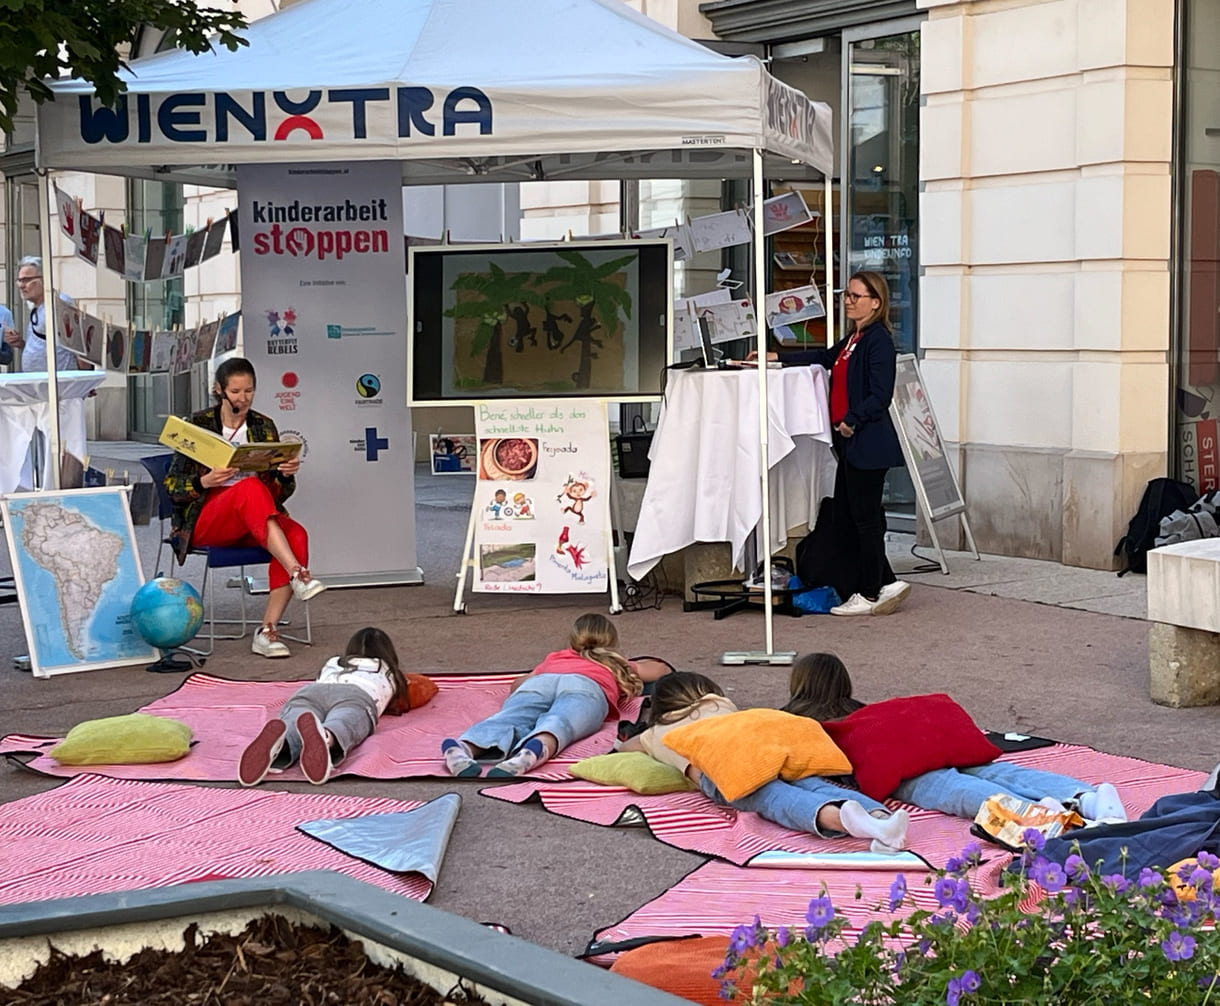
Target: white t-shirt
(34, 355)
(366, 673)
(652, 740)
(237, 436)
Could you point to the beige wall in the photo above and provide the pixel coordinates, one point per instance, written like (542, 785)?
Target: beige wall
(1046, 146)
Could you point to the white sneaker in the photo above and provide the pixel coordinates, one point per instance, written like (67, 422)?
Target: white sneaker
(305, 586)
(267, 643)
(857, 604)
(891, 596)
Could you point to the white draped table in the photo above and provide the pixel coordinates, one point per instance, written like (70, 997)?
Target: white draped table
(705, 477)
(24, 410)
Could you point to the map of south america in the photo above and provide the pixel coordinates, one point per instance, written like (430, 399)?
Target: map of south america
(80, 557)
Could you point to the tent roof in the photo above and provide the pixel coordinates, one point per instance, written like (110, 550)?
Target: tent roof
(488, 90)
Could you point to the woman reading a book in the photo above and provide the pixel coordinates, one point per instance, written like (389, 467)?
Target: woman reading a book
(228, 507)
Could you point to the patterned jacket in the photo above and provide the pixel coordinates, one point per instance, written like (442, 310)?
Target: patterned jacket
(187, 491)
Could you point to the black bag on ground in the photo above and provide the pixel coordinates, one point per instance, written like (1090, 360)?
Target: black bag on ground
(1161, 498)
(824, 557)
(632, 449)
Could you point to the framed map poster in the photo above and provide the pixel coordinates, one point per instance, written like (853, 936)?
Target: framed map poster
(76, 568)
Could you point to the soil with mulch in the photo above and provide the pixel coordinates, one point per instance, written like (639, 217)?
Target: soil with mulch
(271, 962)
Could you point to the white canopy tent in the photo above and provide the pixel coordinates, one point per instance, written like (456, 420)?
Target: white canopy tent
(454, 90)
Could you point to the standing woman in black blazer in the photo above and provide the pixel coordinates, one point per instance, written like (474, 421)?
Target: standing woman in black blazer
(862, 368)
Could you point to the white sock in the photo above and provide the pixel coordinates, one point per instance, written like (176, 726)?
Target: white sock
(859, 823)
(1102, 804)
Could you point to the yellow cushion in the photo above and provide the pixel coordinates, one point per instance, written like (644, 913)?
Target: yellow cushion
(639, 772)
(134, 739)
(744, 750)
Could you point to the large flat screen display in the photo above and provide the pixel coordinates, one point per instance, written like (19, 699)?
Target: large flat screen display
(575, 319)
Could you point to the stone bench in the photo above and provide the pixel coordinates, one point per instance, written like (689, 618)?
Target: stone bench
(1184, 608)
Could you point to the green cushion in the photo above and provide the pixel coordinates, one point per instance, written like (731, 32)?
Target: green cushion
(134, 739)
(639, 772)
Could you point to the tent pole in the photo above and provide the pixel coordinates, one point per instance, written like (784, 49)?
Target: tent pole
(760, 332)
(828, 220)
(49, 296)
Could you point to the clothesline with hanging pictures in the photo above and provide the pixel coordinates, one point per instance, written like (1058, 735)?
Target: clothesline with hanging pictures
(138, 258)
(732, 227)
(142, 351)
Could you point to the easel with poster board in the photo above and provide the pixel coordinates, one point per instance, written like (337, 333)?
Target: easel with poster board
(540, 518)
(936, 486)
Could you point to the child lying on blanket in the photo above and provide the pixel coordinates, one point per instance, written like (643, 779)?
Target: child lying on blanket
(812, 805)
(322, 721)
(565, 698)
(820, 688)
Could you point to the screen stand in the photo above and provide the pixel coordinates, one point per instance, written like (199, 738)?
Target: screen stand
(780, 657)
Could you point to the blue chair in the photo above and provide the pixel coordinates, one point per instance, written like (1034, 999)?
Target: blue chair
(215, 557)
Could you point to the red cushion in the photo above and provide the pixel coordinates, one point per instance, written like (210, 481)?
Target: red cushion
(898, 739)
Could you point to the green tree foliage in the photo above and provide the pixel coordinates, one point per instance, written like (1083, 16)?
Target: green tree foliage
(88, 38)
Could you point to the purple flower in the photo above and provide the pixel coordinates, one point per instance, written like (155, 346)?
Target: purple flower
(1208, 861)
(967, 984)
(1201, 879)
(972, 852)
(1185, 870)
(746, 937)
(1148, 878)
(1033, 838)
(1076, 868)
(898, 891)
(954, 995)
(821, 911)
(954, 865)
(783, 937)
(1052, 878)
(945, 891)
(971, 982)
(1116, 882)
(1178, 946)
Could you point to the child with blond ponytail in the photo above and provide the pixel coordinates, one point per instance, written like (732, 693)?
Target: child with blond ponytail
(565, 698)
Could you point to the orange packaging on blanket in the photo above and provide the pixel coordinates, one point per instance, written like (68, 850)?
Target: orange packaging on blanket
(420, 690)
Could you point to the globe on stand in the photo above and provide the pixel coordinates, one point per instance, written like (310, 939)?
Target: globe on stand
(167, 613)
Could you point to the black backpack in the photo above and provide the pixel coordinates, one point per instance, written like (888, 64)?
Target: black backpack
(1161, 498)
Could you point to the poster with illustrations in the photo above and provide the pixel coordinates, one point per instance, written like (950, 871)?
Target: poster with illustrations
(542, 515)
(781, 213)
(922, 445)
(93, 334)
(139, 358)
(90, 236)
(118, 348)
(226, 334)
(790, 307)
(163, 353)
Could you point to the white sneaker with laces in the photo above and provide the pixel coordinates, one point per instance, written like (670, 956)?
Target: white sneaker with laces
(857, 604)
(305, 586)
(267, 643)
(891, 596)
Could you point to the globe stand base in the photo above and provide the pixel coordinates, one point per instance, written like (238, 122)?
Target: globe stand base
(175, 661)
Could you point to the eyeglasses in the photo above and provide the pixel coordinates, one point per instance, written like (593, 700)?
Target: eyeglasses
(22, 280)
(853, 297)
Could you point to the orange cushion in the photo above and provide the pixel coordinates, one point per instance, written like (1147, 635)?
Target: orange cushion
(420, 689)
(744, 750)
(681, 967)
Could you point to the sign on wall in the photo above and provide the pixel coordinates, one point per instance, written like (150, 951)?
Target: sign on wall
(324, 320)
(541, 503)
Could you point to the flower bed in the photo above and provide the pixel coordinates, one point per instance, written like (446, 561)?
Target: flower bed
(1055, 934)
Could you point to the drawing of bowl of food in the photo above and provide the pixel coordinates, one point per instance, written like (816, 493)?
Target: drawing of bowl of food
(511, 458)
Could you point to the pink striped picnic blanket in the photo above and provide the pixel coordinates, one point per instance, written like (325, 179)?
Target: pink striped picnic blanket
(95, 835)
(226, 715)
(692, 822)
(716, 898)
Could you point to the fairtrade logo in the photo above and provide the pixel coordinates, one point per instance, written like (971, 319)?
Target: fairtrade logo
(368, 385)
(289, 380)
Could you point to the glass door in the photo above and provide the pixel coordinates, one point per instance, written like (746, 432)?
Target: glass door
(880, 216)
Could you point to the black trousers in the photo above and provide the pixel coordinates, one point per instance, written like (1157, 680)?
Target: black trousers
(859, 522)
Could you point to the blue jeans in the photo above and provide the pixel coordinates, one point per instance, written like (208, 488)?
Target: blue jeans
(568, 706)
(795, 804)
(961, 792)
